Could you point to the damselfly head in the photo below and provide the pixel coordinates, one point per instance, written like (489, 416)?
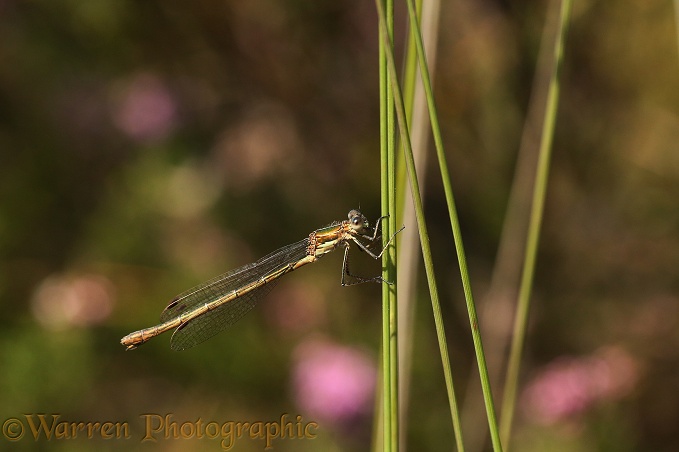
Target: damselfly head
(358, 221)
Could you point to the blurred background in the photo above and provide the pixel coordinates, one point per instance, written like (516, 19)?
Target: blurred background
(148, 146)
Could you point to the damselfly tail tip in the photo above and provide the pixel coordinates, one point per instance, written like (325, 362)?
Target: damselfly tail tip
(129, 342)
(129, 347)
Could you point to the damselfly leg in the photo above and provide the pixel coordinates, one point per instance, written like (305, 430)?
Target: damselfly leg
(372, 239)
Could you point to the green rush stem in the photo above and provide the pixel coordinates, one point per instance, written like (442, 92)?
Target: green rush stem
(457, 235)
(537, 209)
(390, 413)
(422, 228)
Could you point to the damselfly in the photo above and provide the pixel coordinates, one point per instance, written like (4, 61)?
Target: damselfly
(201, 312)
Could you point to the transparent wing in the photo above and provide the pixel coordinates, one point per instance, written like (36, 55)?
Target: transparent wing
(212, 322)
(216, 320)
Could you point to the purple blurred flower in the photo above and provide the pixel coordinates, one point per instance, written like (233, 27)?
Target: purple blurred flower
(263, 143)
(570, 386)
(333, 383)
(63, 301)
(145, 110)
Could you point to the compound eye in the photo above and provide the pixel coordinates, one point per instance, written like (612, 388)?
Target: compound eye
(357, 220)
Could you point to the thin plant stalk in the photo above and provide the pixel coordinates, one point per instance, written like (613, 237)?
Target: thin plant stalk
(537, 209)
(409, 249)
(390, 416)
(452, 212)
(504, 285)
(419, 212)
(676, 21)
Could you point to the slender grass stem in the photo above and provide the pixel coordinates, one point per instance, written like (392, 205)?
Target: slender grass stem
(452, 212)
(409, 248)
(419, 211)
(537, 209)
(390, 414)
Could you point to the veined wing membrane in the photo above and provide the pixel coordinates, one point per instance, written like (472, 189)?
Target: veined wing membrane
(223, 287)
(212, 322)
